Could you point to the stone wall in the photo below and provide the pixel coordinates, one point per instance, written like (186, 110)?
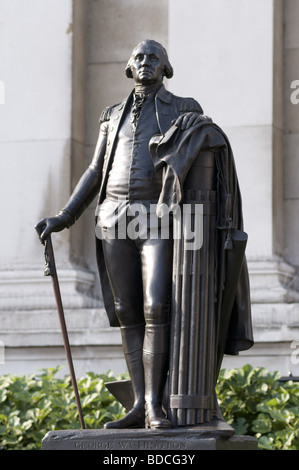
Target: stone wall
(62, 62)
(291, 136)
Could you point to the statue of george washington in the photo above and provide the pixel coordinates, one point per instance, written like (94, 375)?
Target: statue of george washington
(179, 307)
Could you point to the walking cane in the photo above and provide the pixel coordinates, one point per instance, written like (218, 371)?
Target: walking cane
(50, 270)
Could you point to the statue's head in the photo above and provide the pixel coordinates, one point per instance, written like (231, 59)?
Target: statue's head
(149, 63)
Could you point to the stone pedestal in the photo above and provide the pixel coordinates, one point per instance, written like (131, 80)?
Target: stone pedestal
(178, 440)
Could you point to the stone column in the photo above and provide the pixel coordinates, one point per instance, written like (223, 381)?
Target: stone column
(35, 178)
(234, 58)
(291, 134)
(105, 33)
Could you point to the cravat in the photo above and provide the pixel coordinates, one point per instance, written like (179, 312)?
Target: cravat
(136, 109)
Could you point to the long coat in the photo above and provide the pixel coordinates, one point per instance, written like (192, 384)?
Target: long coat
(168, 107)
(93, 182)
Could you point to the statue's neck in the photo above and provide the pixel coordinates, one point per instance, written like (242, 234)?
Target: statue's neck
(147, 89)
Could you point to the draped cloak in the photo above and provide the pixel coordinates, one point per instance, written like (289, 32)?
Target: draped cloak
(176, 151)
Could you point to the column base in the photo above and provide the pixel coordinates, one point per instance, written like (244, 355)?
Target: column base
(272, 281)
(30, 290)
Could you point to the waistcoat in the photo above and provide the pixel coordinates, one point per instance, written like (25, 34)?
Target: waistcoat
(132, 174)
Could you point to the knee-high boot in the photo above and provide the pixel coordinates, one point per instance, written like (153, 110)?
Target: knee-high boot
(132, 339)
(155, 361)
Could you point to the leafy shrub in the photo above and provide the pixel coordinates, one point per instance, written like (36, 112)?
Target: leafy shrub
(256, 403)
(252, 400)
(30, 406)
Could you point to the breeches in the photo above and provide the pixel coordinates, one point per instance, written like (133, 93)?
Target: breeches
(140, 275)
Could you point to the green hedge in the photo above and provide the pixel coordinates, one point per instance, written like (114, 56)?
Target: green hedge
(252, 400)
(30, 406)
(255, 402)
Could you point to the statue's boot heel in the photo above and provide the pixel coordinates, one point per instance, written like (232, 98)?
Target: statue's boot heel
(155, 419)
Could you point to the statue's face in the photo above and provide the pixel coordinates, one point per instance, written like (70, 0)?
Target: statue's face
(147, 65)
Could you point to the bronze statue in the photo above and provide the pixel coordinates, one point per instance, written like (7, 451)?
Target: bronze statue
(145, 160)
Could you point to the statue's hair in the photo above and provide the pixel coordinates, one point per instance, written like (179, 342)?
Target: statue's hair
(168, 69)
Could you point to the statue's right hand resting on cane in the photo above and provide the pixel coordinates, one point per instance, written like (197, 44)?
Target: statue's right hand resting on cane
(51, 224)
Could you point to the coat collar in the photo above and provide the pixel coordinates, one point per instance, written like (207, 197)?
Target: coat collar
(164, 95)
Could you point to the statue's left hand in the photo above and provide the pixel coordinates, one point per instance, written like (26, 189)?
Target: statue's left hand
(190, 119)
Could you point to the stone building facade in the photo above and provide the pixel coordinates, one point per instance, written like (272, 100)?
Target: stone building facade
(62, 62)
